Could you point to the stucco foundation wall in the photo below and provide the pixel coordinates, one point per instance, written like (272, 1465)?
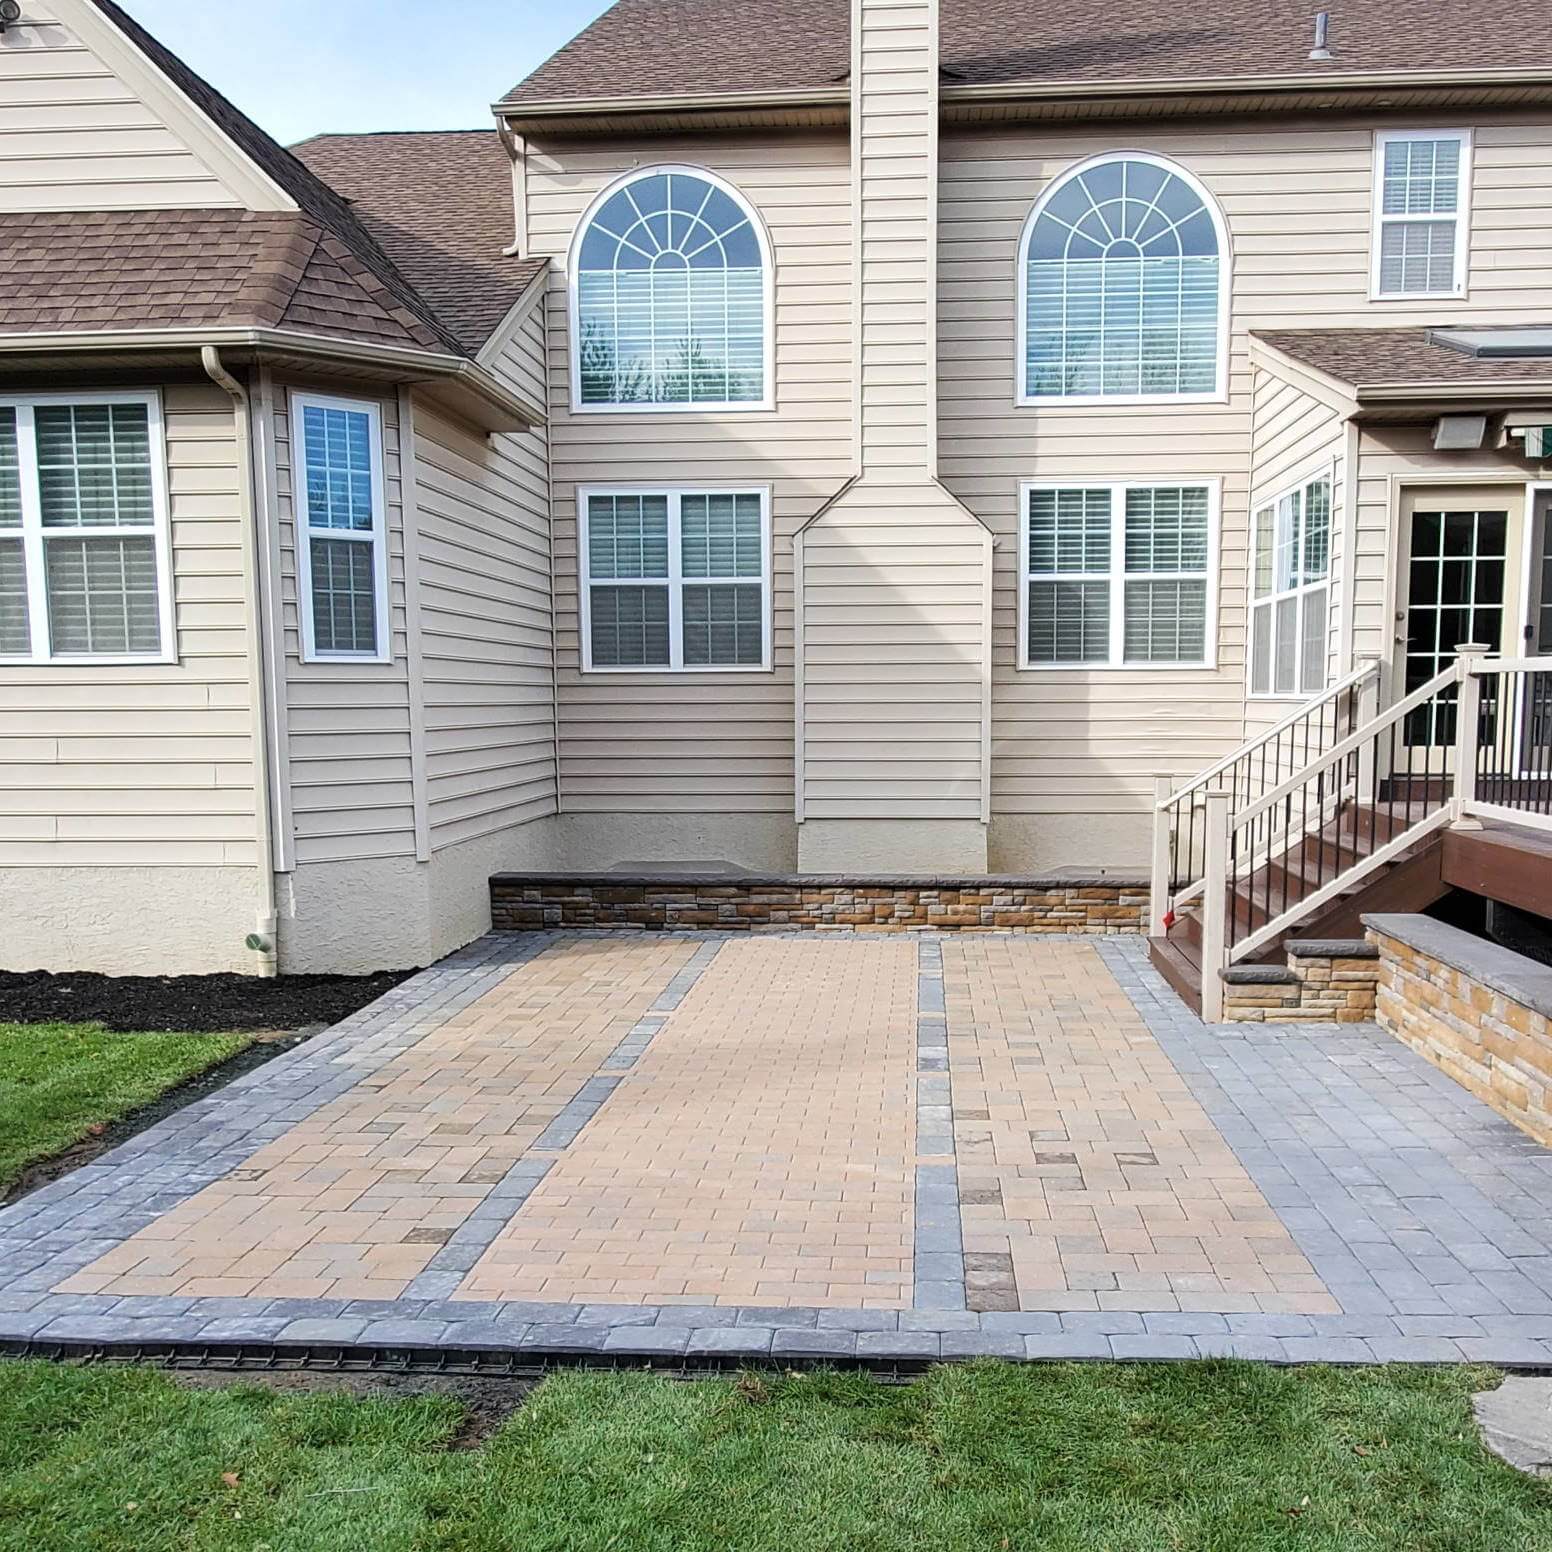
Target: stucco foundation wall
(128, 920)
(1478, 1012)
(393, 913)
(1023, 843)
(892, 846)
(763, 842)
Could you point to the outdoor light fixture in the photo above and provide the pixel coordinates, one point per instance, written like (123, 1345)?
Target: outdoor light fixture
(10, 11)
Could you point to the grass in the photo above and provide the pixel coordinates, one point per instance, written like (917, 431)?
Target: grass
(58, 1081)
(1214, 1457)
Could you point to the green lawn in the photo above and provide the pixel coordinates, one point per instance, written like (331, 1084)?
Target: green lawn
(57, 1081)
(1217, 1457)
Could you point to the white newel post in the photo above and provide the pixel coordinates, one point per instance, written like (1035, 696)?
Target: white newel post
(1159, 878)
(1468, 722)
(1215, 891)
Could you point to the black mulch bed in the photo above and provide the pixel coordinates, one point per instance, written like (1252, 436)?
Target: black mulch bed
(192, 1004)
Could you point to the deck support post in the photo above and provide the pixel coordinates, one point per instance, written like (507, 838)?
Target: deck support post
(1215, 902)
(1159, 875)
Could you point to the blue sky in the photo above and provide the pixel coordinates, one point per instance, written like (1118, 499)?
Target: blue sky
(301, 67)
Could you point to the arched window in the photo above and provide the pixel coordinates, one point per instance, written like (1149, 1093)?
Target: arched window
(671, 271)
(1124, 272)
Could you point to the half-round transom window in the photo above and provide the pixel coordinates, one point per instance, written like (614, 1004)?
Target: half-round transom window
(1123, 292)
(671, 277)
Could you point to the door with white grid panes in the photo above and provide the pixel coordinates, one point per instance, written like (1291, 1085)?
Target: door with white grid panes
(1462, 561)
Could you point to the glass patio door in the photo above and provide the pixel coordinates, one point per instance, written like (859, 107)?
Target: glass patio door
(1462, 565)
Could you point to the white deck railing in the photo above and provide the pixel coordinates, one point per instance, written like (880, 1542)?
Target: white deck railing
(1474, 742)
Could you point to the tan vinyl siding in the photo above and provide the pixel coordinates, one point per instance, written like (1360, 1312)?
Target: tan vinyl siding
(348, 724)
(702, 743)
(486, 625)
(1074, 741)
(894, 574)
(148, 765)
(75, 136)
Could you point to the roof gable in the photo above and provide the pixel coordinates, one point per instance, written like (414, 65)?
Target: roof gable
(440, 206)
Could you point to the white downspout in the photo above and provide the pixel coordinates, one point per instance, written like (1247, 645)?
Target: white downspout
(263, 939)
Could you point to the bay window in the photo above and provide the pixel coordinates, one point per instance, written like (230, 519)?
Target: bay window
(1290, 591)
(341, 519)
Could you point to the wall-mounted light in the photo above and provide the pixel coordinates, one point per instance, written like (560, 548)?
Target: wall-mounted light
(10, 12)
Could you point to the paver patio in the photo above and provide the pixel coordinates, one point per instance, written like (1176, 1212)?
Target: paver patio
(810, 1146)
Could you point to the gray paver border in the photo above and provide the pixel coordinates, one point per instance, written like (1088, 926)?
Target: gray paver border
(938, 1244)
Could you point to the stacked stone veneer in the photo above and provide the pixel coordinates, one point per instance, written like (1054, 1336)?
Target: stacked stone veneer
(1083, 904)
(1478, 1011)
(1324, 980)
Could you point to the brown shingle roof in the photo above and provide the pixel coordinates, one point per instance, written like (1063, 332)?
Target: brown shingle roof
(1399, 358)
(440, 206)
(110, 271)
(321, 204)
(685, 47)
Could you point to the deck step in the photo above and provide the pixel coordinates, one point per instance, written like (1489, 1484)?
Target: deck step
(1184, 976)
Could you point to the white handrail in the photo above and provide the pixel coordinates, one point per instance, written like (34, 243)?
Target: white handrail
(1249, 747)
(1511, 665)
(1355, 740)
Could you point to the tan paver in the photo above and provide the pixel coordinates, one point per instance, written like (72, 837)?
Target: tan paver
(353, 1202)
(1086, 1167)
(759, 1153)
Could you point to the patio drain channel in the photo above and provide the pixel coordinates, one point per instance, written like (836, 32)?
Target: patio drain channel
(457, 1258)
(938, 1265)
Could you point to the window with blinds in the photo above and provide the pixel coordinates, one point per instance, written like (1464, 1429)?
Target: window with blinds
(675, 580)
(1124, 293)
(341, 529)
(670, 298)
(83, 533)
(1291, 591)
(1118, 576)
(1422, 179)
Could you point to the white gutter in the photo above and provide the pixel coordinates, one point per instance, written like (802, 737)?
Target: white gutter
(428, 365)
(266, 925)
(687, 102)
(1308, 81)
(1031, 91)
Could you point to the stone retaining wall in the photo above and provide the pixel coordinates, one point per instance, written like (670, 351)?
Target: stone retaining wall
(1096, 904)
(1477, 1011)
(1324, 981)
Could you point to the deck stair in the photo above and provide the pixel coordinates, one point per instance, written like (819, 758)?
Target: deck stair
(1341, 809)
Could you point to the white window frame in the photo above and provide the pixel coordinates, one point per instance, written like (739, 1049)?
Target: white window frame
(1219, 393)
(1117, 574)
(377, 535)
(768, 311)
(675, 581)
(34, 535)
(1379, 220)
(1324, 471)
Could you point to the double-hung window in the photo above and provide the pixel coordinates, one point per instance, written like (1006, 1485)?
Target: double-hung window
(84, 573)
(342, 546)
(1118, 575)
(1291, 591)
(1422, 183)
(675, 579)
